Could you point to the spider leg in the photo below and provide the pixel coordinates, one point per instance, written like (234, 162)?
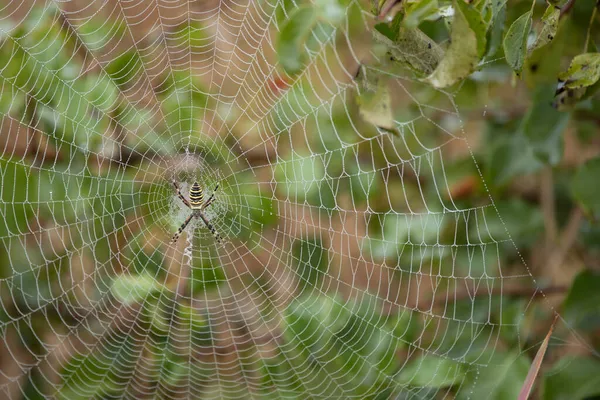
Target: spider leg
(211, 198)
(181, 228)
(187, 203)
(209, 226)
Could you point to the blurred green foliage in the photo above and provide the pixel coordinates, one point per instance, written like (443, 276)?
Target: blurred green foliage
(454, 53)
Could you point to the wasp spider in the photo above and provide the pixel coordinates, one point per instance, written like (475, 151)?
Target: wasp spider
(197, 205)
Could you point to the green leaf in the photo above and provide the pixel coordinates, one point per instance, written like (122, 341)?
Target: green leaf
(431, 371)
(363, 183)
(523, 222)
(580, 82)
(293, 36)
(309, 322)
(12, 101)
(411, 48)
(558, 3)
(585, 186)
(101, 92)
(572, 378)
(350, 336)
(254, 211)
(192, 35)
(175, 372)
(418, 11)
(206, 274)
(7, 28)
(501, 379)
(590, 235)
(584, 71)
(566, 99)
(582, 305)
(142, 137)
(45, 43)
(97, 32)
(544, 126)
(320, 34)
(102, 373)
(144, 262)
(196, 324)
(404, 230)
(130, 289)
(467, 46)
(496, 29)
(543, 63)
(330, 11)
(298, 178)
(64, 192)
(125, 68)
(496, 7)
(509, 157)
(375, 102)
(515, 42)
(16, 191)
(158, 311)
(538, 141)
(311, 261)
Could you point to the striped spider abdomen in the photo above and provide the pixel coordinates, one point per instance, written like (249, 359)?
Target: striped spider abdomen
(196, 197)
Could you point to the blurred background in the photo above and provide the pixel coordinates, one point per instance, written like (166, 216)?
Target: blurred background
(408, 197)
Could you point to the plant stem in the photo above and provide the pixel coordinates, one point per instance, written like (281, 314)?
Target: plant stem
(565, 242)
(589, 30)
(548, 207)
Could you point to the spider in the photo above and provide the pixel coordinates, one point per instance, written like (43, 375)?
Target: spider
(197, 205)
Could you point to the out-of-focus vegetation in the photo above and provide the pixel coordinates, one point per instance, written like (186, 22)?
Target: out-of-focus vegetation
(407, 196)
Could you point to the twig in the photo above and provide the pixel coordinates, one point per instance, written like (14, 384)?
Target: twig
(565, 242)
(589, 30)
(548, 207)
(386, 9)
(567, 7)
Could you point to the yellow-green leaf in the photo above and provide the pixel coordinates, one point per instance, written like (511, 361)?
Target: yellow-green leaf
(375, 104)
(467, 45)
(542, 64)
(418, 11)
(412, 49)
(584, 71)
(549, 28)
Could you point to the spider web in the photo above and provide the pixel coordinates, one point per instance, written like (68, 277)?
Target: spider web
(349, 268)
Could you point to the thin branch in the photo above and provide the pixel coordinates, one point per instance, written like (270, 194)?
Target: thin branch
(548, 204)
(567, 7)
(565, 242)
(387, 8)
(589, 30)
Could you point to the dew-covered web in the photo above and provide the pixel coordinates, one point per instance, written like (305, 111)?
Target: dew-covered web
(348, 266)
